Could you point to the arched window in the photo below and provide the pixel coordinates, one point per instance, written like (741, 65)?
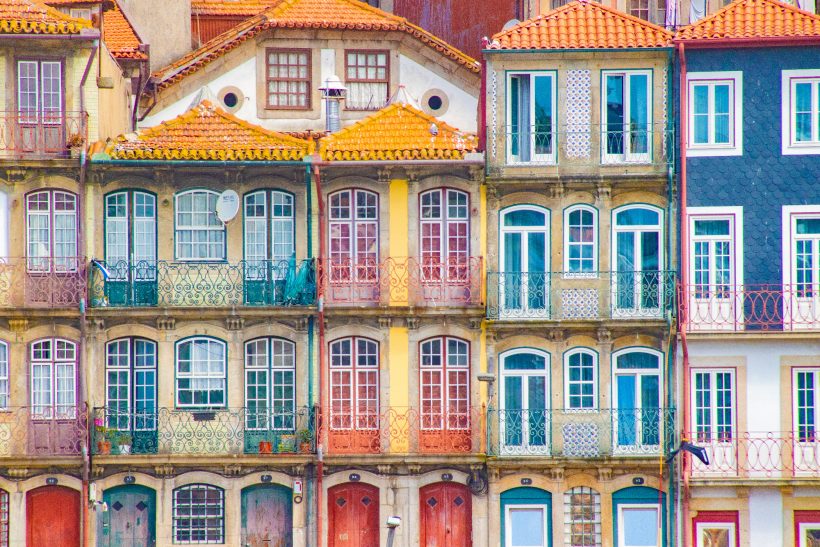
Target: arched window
(445, 233)
(131, 387)
(51, 228)
(582, 517)
(201, 366)
(637, 256)
(580, 239)
(581, 379)
(270, 384)
(524, 269)
(199, 514)
(354, 383)
(200, 235)
(637, 396)
(354, 235)
(53, 379)
(525, 389)
(445, 383)
(269, 228)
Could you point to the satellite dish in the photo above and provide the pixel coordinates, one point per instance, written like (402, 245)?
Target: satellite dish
(227, 206)
(510, 24)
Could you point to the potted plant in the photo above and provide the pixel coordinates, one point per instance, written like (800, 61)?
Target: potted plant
(287, 443)
(124, 441)
(265, 447)
(305, 440)
(75, 143)
(103, 439)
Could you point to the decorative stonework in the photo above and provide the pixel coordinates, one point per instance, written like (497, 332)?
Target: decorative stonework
(166, 323)
(494, 112)
(18, 325)
(579, 114)
(664, 137)
(234, 322)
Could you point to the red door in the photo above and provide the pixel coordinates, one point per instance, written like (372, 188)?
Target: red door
(353, 509)
(446, 515)
(53, 517)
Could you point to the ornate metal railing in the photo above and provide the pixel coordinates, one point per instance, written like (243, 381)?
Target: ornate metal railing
(569, 433)
(757, 455)
(42, 282)
(402, 430)
(41, 134)
(774, 307)
(194, 284)
(574, 148)
(580, 296)
(42, 431)
(403, 281)
(201, 432)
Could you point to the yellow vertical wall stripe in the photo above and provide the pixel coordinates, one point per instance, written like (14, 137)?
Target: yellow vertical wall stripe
(399, 223)
(398, 362)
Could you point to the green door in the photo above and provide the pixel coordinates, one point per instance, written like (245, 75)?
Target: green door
(130, 518)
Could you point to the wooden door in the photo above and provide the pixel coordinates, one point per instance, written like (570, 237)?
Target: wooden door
(267, 516)
(130, 519)
(446, 515)
(53, 517)
(353, 510)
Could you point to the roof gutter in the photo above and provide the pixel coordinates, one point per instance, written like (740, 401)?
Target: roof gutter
(578, 50)
(771, 41)
(194, 163)
(91, 35)
(379, 163)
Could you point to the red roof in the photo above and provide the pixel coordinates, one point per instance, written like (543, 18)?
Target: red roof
(32, 17)
(228, 8)
(120, 37)
(753, 20)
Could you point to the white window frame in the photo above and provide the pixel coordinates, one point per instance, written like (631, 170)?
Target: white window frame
(638, 309)
(735, 217)
(815, 371)
(274, 416)
(207, 376)
(730, 526)
(789, 146)
(735, 146)
(803, 528)
(189, 518)
(61, 360)
(196, 228)
(527, 406)
(595, 240)
(551, 158)
(628, 156)
(139, 420)
(525, 506)
(638, 373)
(804, 309)
(567, 356)
(524, 311)
(713, 410)
(621, 528)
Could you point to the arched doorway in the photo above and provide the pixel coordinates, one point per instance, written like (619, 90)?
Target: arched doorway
(353, 509)
(53, 517)
(446, 515)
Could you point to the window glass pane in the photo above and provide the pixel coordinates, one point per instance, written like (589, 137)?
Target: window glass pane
(638, 217)
(640, 527)
(637, 360)
(527, 527)
(524, 217)
(711, 227)
(525, 361)
(808, 226)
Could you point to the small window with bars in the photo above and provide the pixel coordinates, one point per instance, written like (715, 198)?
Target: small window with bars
(367, 77)
(288, 79)
(582, 517)
(199, 514)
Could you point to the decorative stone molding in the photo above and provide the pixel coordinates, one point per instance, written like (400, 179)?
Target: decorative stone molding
(412, 323)
(234, 322)
(165, 470)
(16, 175)
(18, 473)
(18, 325)
(232, 470)
(557, 473)
(384, 174)
(301, 324)
(385, 322)
(475, 323)
(166, 323)
(604, 474)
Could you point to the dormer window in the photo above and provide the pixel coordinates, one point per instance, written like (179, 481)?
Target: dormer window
(287, 79)
(367, 78)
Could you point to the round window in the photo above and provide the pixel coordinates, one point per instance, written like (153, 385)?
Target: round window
(434, 102)
(230, 99)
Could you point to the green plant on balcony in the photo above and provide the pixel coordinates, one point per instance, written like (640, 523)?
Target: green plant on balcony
(75, 143)
(305, 440)
(104, 436)
(287, 444)
(123, 442)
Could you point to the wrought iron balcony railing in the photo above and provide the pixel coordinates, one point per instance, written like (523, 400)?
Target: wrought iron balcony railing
(42, 431)
(576, 148)
(584, 296)
(403, 282)
(570, 433)
(203, 432)
(726, 307)
(406, 431)
(42, 282)
(41, 135)
(197, 284)
(758, 455)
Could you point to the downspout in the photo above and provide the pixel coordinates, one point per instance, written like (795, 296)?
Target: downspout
(320, 437)
(142, 83)
(311, 405)
(671, 323)
(83, 331)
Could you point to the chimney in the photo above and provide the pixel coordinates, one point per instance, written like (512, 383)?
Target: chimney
(333, 93)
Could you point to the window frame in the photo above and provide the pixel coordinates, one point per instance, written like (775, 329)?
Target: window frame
(545, 512)
(596, 522)
(712, 430)
(797, 431)
(175, 517)
(568, 354)
(535, 158)
(148, 417)
(568, 244)
(147, 265)
(735, 217)
(628, 157)
(652, 9)
(447, 418)
(62, 263)
(40, 116)
(267, 80)
(735, 146)
(354, 270)
(716, 519)
(5, 375)
(278, 266)
(52, 406)
(788, 81)
(385, 80)
(287, 416)
(194, 228)
(354, 415)
(805, 520)
(790, 215)
(190, 375)
(449, 262)
(620, 540)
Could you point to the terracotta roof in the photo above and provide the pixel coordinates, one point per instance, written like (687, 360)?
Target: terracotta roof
(307, 14)
(753, 19)
(119, 36)
(582, 24)
(32, 17)
(229, 8)
(397, 132)
(207, 132)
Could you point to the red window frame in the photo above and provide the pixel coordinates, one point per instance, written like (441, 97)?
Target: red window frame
(804, 517)
(354, 384)
(444, 239)
(717, 517)
(444, 386)
(308, 65)
(354, 236)
(368, 53)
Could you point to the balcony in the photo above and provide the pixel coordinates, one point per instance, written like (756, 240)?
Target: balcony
(32, 135)
(404, 282)
(30, 282)
(751, 308)
(589, 296)
(579, 149)
(760, 455)
(406, 431)
(202, 284)
(42, 432)
(563, 433)
(203, 432)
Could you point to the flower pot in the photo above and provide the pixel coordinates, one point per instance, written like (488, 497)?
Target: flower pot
(287, 444)
(305, 448)
(125, 449)
(74, 152)
(265, 447)
(104, 447)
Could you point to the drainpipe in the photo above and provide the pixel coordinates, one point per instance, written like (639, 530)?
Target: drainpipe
(311, 405)
(320, 437)
(670, 244)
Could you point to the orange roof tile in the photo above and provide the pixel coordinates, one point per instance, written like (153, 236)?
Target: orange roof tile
(32, 17)
(753, 19)
(397, 132)
(207, 132)
(582, 24)
(230, 7)
(119, 36)
(308, 14)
